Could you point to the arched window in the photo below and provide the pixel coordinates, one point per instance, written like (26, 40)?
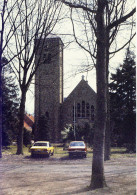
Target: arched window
(92, 113)
(83, 108)
(92, 109)
(78, 109)
(92, 117)
(87, 110)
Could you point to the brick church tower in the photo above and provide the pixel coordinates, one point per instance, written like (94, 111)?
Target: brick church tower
(49, 85)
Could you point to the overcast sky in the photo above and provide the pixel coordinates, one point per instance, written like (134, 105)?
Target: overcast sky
(74, 59)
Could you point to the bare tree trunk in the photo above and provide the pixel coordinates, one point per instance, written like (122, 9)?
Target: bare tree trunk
(1, 50)
(0, 107)
(98, 178)
(21, 123)
(114, 16)
(107, 131)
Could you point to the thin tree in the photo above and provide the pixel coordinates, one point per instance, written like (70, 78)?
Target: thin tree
(6, 34)
(102, 20)
(37, 19)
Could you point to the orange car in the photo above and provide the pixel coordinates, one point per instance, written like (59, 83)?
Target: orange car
(77, 148)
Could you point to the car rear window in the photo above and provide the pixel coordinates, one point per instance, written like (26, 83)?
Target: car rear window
(77, 144)
(40, 144)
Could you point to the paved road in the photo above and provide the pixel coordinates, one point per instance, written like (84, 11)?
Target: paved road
(26, 176)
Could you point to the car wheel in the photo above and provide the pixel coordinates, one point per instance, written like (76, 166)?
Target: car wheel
(49, 154)
(32, 155)
(52, 153)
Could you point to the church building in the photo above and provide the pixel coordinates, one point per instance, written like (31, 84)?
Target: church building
(78, 108)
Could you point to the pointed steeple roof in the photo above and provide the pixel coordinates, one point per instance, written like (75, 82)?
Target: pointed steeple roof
(82, 89)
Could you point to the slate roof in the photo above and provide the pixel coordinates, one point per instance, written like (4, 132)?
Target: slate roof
(81, 89)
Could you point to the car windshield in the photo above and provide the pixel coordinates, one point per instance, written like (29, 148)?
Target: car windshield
(77, 144)
(40, 144)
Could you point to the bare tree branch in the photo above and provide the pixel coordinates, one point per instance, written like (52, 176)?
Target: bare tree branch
(74, 5)
(121, 20)
(123, 45)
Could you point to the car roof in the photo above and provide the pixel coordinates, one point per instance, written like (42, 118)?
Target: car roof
(76, 141)
(42, 142)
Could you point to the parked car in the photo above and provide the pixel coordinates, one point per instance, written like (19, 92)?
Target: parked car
(42, 148)
(77, 148)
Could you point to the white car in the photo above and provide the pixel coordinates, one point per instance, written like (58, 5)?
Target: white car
(77, 148)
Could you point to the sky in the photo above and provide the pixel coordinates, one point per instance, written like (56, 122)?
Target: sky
(74, 58)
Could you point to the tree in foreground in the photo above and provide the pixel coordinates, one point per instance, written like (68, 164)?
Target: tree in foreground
(101, 21)
(37, 19)
(123, 98)
(6, 34)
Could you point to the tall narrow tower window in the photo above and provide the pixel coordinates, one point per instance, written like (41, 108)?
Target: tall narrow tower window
(47, 115)
(47, 58)
(87, 110)
(83, 108)
(92, 113)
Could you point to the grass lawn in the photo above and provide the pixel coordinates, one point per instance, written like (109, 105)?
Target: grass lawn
(59, 152)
